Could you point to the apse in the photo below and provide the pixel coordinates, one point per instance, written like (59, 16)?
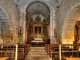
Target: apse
(38, 21)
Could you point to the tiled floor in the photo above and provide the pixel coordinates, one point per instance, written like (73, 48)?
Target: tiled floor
(37, 53)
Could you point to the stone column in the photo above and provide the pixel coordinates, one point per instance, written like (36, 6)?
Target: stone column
(24, 27)
(52, 26)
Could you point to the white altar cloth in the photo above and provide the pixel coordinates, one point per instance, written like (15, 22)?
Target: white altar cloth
(37, 40)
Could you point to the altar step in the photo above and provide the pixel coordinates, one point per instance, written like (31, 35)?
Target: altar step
(37, 53)
(37, 45)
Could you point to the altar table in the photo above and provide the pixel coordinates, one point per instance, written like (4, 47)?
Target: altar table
(37, 40)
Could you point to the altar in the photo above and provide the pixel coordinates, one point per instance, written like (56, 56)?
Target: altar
(37, 40)
(37, 33)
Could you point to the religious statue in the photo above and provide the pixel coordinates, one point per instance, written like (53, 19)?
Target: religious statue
(38, 19)
(31, 20)
(44, 20)
(38, 35)
(55, 33)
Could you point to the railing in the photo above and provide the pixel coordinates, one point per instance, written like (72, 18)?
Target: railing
(9, 50)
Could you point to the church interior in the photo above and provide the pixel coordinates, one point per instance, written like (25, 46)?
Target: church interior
(39, 30)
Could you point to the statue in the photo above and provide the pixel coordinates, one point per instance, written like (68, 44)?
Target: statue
(55, 33)
(31, 20)
(38, 35)
(38, 19)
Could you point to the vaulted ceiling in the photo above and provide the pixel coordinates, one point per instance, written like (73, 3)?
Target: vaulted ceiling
(38, 8)
(53, 3)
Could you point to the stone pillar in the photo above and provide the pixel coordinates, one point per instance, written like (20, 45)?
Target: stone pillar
(24, 28)
(52, 26)
(15, 36)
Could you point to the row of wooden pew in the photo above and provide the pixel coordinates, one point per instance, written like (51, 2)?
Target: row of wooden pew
(51, 49)
(10, 51)
(67, 50)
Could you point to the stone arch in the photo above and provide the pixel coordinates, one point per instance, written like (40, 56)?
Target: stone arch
(13, 14)
(69, 24)
(52, 19)
(5, 27)
(39, 2)
(64, 10)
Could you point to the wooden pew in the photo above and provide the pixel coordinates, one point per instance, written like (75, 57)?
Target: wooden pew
(72, 58)
(4, 58)
(51, 48)
(9, 51)
(26, 47)
(67, 50)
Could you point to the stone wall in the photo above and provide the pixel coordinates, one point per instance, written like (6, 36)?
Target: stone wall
(6, 34)
(12, 11)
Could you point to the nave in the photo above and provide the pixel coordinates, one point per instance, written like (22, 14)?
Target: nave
(50, 27)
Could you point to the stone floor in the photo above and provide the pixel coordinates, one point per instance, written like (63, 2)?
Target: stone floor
(37, 53)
